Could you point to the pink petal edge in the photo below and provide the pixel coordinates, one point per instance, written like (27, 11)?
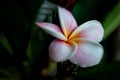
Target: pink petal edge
(91, 30)
(67, 21)
(52, 29)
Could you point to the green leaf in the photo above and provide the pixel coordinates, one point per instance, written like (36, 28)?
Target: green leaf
(86, 10)
(110, 71)
(112, 21)
(5, 43)
(36, 43)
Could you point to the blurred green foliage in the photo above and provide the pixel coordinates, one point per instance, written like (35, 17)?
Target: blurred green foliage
(4, 42)
(112, 20)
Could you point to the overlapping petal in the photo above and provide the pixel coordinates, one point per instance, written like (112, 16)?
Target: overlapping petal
(89, 53)
(52, 29)
(91, 30)
(60, 51)
(67, 21)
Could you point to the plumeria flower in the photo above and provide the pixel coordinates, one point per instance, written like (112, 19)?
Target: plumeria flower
(79, 44)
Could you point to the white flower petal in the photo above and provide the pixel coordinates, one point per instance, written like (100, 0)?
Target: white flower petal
(67, 21)
(91, 30)
(89, 53)
(60, 51)
(52, 29)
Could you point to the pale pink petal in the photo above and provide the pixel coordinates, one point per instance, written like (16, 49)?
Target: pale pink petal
(91, 30)
(89, 53)
(52, 29)
(67, 21)
(60, 51)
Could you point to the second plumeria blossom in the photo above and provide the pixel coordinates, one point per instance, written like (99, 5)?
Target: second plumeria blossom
(79, 44)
